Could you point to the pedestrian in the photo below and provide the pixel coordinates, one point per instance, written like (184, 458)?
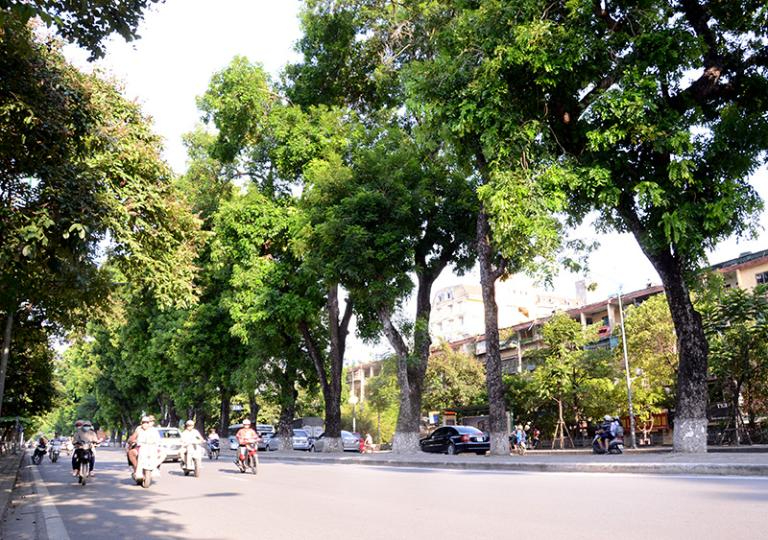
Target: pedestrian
(368, 443)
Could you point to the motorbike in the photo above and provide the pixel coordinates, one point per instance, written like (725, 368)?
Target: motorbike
(247, 458)
(191, 461)
(40, 451)
(213, 449)
(615, 446)
(149, 460)
(83, 456)
(53, 453)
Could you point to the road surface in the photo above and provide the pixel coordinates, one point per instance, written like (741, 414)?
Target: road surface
(316, 502)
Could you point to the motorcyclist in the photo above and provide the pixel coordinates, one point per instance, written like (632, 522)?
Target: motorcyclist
(190, 436)
(607, 432)
(146, 435)
(213, 440)
(41, 448)
(86, 439)
(55, 446)
(245, 436)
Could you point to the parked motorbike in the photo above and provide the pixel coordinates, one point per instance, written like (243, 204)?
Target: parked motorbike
(213, 449)
(39, 453)
(615, 446)
(83, 456)
(191, 461)
(247, 458)
(150, 458)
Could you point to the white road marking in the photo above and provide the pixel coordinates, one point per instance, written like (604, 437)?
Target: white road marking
(54, 525)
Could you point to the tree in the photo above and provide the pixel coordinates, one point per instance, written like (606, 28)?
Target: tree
(652, 347)
(273, 145)
(382, 393)
(388, 54)
(573, 376)
(86, 24)
(272, 303)
(453, 379)
(80, 170)
(396, 205)
(609, 92)
(736, 326)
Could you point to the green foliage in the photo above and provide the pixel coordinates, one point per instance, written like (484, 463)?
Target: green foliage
(652, 351)
(453, 379)
(737, 331)
(85, 23)
(580, 378)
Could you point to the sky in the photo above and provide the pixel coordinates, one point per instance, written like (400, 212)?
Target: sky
(184, 42)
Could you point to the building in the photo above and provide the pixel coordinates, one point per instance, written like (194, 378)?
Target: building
(458, 313)
(745, 271)
(357, 374)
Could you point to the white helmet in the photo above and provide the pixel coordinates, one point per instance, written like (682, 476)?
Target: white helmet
(189, 423)
(246, 422)
(608, 418)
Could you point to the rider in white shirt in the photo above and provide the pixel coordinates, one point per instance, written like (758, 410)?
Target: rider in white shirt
(189, 437)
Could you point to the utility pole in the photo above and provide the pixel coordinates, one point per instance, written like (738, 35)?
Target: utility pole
(626, 371)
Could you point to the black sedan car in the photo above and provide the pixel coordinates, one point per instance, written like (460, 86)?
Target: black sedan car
(456, 439)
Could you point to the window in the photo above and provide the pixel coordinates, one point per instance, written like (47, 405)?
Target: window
(761, 278)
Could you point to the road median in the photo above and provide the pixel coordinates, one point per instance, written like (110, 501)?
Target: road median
(661, 463)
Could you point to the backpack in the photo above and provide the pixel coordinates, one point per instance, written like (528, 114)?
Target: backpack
(619, 430)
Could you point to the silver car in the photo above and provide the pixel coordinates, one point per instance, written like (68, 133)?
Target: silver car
(301, 440)
(349, 441)
(170, 440)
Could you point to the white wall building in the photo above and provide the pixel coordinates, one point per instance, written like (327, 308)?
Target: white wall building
(457, 311)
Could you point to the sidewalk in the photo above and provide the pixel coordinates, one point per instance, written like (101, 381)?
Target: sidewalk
(657, 461)
(9, 470)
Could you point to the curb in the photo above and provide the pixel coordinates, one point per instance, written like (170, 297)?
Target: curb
(5, 491)
(698, 469)
(54, 525)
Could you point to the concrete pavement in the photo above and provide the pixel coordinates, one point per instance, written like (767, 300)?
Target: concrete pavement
(319, 500)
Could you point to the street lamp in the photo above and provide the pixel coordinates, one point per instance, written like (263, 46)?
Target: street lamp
(353, 401)
(626, 371)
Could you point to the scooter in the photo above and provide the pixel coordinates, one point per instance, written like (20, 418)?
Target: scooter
(213, 449)
(54, 452)
(247, 458)
(191, 462)
(615, 446)
(149, 460)
(83, 456)
(39, 454)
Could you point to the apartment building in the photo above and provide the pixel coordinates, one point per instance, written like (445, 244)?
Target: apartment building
(458, 314)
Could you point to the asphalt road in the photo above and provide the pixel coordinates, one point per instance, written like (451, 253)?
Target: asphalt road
(317, 502)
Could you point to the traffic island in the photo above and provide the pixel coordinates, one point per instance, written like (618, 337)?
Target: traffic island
(656, 463)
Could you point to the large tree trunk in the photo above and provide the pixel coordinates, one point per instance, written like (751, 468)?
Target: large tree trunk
(690, 421)
(224, 416)
(6, 353)
(200, 419)
(253, 406)
(330, 378)
(288, 396)
(411, 367)
(488, 275)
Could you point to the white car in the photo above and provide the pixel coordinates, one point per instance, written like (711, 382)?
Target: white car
(170, 440)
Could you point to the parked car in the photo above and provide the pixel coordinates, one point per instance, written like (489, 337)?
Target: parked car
(349, 441)
(301, 440)
(455, 440)
(170, 440)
